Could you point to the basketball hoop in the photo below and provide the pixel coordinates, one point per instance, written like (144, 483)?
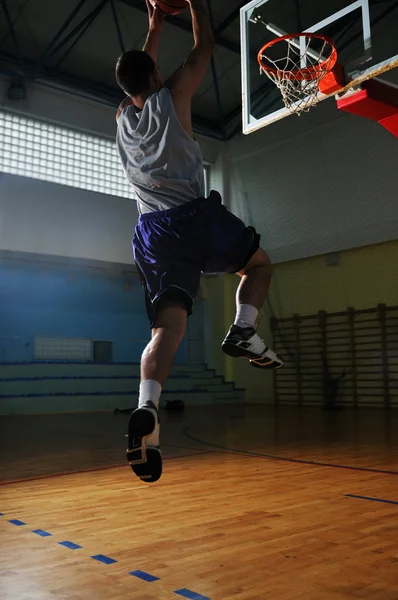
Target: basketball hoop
(297, 63)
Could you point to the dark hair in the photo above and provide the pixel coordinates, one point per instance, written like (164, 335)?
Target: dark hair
(133, 70)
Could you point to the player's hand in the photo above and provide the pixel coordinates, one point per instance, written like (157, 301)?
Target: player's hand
(155, 15)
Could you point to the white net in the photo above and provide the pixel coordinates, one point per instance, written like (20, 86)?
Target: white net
(297, 69)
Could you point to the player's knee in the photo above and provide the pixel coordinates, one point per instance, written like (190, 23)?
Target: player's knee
(259, 260)
(171, 317)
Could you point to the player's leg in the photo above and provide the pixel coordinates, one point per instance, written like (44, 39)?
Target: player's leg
(242, 339)
(164, 253)
(167, 333)
(156, 363)
(235, 248)
(255, 282)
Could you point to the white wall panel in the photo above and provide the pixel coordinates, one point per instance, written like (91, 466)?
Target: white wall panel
(321, 185)
(47, 218)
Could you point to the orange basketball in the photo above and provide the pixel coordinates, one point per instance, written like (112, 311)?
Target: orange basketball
(171, 7)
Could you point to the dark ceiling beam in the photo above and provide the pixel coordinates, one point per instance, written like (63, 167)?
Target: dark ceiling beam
(82, 26)
(81, 32)
(84, 88)
(117, 25)
(11, 28)
(184, 25)
(108, 95)
(229, 20)
(47, 51)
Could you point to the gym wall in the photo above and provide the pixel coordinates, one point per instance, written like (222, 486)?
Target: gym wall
(323, 198)
(322, 182)
(362, 278)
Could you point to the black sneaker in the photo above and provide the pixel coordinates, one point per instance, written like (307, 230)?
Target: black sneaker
(246, 343)
(144, 459)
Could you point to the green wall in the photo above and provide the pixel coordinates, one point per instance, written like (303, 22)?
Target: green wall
(362, 278)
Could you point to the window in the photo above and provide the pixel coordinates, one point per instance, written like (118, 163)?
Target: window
(39, 150)
(43, 151)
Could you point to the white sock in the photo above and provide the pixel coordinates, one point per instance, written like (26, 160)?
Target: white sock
(246, 316)
(150, 391)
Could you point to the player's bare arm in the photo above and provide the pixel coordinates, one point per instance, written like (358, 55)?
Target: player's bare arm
(184, 83)
(156, 21)
(151, 46)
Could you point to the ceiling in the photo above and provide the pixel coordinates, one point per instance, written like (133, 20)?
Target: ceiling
(73, 45)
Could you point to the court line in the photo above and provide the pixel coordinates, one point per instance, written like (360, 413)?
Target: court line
(17, 522)
(106, 560)
(190, 595)
(94, 470)
(283, 458)
(144, 576)
(70, 545)
(41, 532)
(371, 499)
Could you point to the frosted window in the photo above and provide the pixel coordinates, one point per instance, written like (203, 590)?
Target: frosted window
(35, 149)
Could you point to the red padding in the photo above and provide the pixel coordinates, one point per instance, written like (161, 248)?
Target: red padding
(333, 81)
(377, 101)
(391, 123)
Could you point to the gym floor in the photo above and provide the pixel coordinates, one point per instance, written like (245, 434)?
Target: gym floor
(255, 502)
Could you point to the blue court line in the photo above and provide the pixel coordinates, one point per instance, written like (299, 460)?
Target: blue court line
(69, 545)
(17, 522)
(371, 499)
(184, 592)
(41, 533)
(104, 559)
(144, 576)
(191, 595)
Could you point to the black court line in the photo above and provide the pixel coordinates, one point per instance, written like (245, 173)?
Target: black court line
(283, 458)
(371, 499)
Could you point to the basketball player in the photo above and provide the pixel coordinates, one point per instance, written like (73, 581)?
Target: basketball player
(180, 234)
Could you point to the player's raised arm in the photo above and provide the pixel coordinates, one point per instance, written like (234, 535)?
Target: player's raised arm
(151, 45)
(188, 78)
(156, 20)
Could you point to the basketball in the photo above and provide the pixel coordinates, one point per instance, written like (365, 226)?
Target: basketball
(171, 7)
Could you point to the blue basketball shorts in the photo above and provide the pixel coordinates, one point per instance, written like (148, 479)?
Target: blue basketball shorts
(173, 247)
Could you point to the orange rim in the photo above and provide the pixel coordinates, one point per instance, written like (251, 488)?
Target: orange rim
(308, 73)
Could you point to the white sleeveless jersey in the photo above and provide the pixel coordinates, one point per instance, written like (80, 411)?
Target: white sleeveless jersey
(162, 163)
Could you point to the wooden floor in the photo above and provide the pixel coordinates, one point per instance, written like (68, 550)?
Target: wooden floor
(254, 504)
